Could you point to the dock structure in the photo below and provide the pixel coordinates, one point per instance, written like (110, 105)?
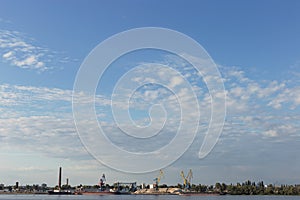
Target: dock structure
(125, 187)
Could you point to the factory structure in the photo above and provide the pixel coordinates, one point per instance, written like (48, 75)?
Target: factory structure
(102, 188)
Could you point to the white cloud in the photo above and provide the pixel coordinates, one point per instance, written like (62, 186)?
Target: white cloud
(8, 55)
(235, 74)
(270, 133)
(246, 97)
(22, 52)
(16, 95)
(289, 96)
(175, 81)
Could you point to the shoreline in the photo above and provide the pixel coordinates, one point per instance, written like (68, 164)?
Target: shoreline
(149, 194)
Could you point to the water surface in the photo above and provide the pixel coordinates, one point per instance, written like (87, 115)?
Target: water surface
(144, 197)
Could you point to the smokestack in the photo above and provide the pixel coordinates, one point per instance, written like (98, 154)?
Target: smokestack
(59, 178)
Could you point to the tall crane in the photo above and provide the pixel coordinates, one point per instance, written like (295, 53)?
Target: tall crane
(186, 179)
(157, 179)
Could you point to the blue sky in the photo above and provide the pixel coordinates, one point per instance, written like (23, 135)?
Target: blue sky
(255, 45)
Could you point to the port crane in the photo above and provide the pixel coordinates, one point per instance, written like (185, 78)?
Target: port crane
(157, 179)
(186, 179)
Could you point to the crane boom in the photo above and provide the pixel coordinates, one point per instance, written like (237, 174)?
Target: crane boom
(186, 179)
(189, 177)
(157, 179)
(183, 178)
(161, 174)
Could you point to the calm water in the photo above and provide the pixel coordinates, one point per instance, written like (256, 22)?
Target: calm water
(145, 197)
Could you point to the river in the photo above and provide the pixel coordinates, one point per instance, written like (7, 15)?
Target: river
(144, 197)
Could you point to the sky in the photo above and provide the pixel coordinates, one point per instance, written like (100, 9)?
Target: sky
(253, 44)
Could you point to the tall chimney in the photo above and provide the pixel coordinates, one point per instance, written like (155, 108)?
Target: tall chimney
(59, 178)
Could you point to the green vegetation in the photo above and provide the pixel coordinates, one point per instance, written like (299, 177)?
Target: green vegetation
(249, 188)
(246, 188)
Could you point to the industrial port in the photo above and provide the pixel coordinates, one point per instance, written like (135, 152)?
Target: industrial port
(102, 188)
(185, 188)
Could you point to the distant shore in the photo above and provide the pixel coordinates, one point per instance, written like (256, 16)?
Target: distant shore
(244, 188)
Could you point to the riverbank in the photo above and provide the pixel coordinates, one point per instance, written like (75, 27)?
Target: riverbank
(172, 191)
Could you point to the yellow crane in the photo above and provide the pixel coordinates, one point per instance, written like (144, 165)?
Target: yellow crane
(157, 179)
(186, 179)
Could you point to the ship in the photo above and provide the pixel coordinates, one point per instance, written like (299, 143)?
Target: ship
(60, 191)
(96, 192)
(125, 187)
(120, 188)
(102, 190)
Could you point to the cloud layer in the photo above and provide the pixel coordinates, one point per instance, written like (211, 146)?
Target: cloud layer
(261, 114)
(23, 52)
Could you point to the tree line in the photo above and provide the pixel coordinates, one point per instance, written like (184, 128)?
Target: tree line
(248, 188)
